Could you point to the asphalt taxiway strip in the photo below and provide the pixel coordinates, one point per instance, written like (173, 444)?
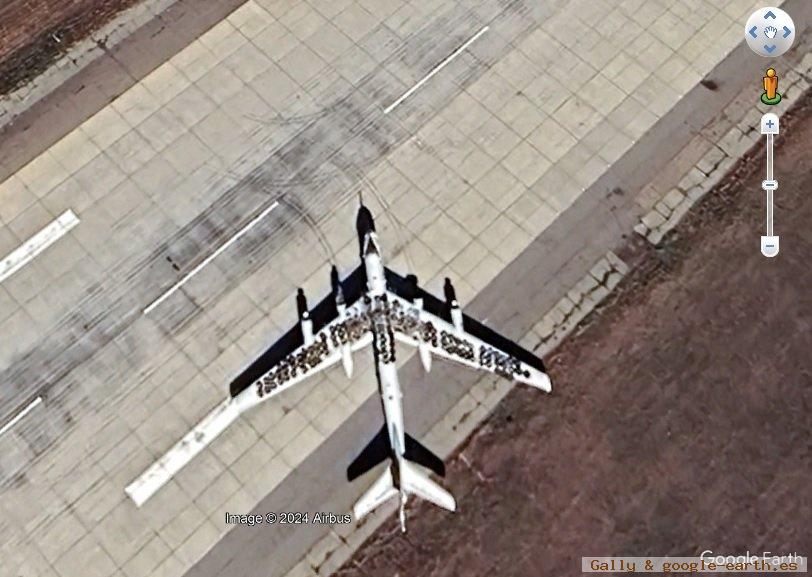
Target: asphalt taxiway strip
(104, 79)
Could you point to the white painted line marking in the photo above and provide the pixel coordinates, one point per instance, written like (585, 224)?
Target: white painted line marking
(37, 243)
(210, 258)
(142, 488)
(21, 414)
(435, 70)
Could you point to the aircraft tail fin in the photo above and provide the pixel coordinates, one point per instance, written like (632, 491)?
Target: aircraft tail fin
(416, 482)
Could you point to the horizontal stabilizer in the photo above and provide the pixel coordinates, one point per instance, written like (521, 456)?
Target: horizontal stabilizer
(381, 490)
(416, 482)
(419, 454)
(376, 452)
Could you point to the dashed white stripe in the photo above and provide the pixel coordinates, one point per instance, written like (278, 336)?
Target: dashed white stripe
(21, 414)
(435, 70)
(218, 420)
(37, 243)
(210, 258)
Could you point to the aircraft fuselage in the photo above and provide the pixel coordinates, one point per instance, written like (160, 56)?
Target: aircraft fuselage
(383, 344)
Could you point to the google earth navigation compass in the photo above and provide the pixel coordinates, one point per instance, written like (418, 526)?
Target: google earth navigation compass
(769, 32)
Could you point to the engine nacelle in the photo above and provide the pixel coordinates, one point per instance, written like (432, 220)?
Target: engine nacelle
(346, 360)
(338, 292)
(453, 305)
(423, 349)
(412, 292)
(304, 317)
(341, 307)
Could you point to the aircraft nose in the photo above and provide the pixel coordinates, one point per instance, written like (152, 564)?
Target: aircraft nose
(364, 224)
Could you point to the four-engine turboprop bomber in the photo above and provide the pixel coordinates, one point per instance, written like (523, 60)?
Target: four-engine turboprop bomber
(372, 306)
(375, 306)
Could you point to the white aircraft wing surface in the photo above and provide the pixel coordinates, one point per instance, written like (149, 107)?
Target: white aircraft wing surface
(288, 361)
(296, 356)
(431, 330)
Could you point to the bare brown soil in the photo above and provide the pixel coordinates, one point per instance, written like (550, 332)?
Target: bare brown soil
(34, 33)
(680, 419)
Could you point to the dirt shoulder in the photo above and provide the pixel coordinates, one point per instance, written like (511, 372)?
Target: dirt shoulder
(681, 415)
(33, 34)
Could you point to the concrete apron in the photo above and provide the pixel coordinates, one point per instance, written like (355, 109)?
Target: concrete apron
(601, 219)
